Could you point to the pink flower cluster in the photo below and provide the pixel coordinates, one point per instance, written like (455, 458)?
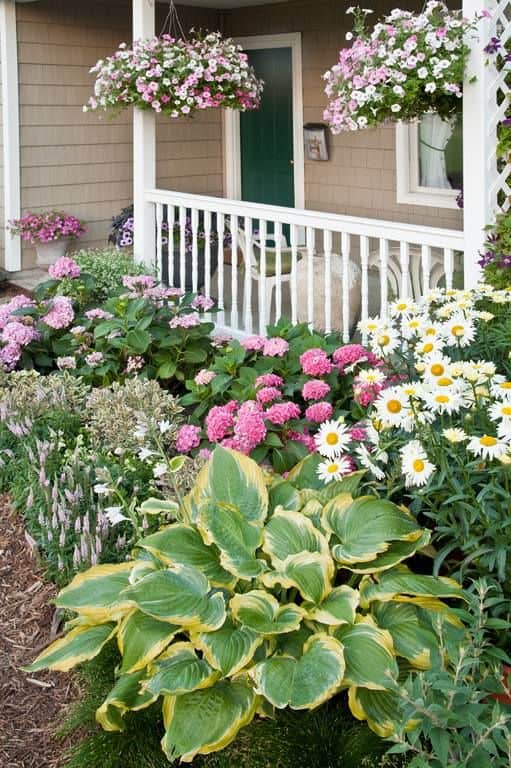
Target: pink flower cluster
(185, 321)
(176, 77)
(98, 314)
(315, 362)
(17, 302)
(61, 313)
(204, 377)
(138, 283)
(202, 302)
(188, 438)
(350, 354)
(64, 267)
(274, 347)
(46, 227)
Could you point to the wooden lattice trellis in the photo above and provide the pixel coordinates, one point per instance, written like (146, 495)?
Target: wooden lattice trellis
(499, 96)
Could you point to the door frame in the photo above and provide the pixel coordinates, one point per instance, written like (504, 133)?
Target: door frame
(231, 132)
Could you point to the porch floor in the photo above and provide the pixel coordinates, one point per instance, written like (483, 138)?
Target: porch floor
(27, 279)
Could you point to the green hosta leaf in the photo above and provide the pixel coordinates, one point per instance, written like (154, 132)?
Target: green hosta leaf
(236, 537)
(158, 507)
(228, 649)
(179, 670)
(349, 484)
(310, 572)
(339, 607)
(126, 695)
(208, 720)
(369, 656)
(179, 543)
(402, 581)
(364, 528)
(302, 683)
(179, 595)
(290, 533)
(397, 552)
(141, 638)
(284, 495)
(97, 593)
(80, 644)
(413, 638)
(379, 708)
(262, 613)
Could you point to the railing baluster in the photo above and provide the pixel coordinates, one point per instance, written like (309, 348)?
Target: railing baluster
(207, 253)
(310, 276)
(327, 248)
(159, 235)
(278, 270)
(195, 250)
(234, 270)
(294, 264)
(182, 247)
(384, 270)
(404, 261)
(448, 267)
(364, 288)
(262, 293)
(249, 262)
(171, 217)
(345, 251)
(426, 267)
(220, 231)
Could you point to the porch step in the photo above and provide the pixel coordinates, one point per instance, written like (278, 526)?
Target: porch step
(27, 279)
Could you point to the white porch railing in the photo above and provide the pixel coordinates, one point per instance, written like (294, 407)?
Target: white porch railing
(262, 262)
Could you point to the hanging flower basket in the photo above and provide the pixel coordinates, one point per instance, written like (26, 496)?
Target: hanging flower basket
(407, 65)
(176, 77)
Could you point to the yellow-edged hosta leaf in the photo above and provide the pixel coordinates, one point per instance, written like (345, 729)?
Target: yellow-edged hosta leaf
(97, 592)
(283, 494)
(228, 649)
(179, 595)
(396, 552)
(179, 670)
(379, 708)
(207, 720)
(141, 638)
(261, 612)
(310, 572)
(302, 683)
(401, 581)
(369, 656)
(413, 638)
(339, 607)
(126, 695)
(79, 644)
(432, 605)
(180, 543)
(291, 533)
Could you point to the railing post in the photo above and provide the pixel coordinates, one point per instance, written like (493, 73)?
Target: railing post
(144, 151)
(479, 143)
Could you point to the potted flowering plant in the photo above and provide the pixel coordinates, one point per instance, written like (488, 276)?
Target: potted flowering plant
(176, 77)
(50, 232)
(409, 64)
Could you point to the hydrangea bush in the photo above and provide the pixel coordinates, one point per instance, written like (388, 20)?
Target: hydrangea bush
(46, 227)
(176, 77)
(407, 65)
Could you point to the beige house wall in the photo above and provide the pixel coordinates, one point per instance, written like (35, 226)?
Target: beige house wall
(360, 177)
(2, 212)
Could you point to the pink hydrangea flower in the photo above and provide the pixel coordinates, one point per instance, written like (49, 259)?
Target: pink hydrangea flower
(66, 363)
(202, 302)
(61, 314)
(138, 282)
(134, 364)
(253, 343)
(204, 377)
(17, 302)
(64, 267)
(184, 321)
(348, 355)
(315, 362)
(316, 389)
(18, 333)
(304, 438)
(98, 314)
(269, 380)
(204, 454)
(280, 413)
(188, 438)
(249, 429)
(319, 412)
(276, 347)
(10, 356)
(219, 421)
(94, 359)
(268, 395)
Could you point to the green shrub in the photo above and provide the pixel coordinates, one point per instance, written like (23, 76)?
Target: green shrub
(108, 266)
(259, 598)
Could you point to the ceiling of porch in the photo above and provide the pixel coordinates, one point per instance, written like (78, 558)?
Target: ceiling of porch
(225, 4)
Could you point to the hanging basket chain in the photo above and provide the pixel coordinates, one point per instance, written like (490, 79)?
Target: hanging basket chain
(172, 24)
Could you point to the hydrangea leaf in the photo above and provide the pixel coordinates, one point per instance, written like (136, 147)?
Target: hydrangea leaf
(207, 720)
(126, 695)
(338, 607)
(141, 638)
(179, 670)
(369, 656)
(310, 572)
(261, 612)
(82, 643)
(228, 649)
(98, 592)
(302, 683)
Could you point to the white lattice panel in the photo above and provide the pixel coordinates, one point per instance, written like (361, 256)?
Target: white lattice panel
(499, 96)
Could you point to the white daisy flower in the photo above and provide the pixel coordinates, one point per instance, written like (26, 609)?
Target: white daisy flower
(366, 459)
(455, 435)
(436, 367)
(332, 439)
(371, 376)
(334, 469)
(504, 430)
(429, 346)
(501, 387)
(415, 464)
(487, 446)
(411, 326)
(459, 331)
(445, 401)
(370, 325)
(500, 410)
(393, 407)
(385, 340)
(403, 307)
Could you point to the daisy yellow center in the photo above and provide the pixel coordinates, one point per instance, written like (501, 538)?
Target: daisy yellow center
(332, 468)
(506, 385)
(394, 406)
(428, 347)
(442, 398)
(413, 324)
(332, 438)
(401, 307)
(384, 340)
(506, 410)
(418, 465)
(445, 382)
(430, 332)
(488, 441)
(457, 330)
(437, 369)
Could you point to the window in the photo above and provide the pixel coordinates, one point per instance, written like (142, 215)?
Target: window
(429, 156)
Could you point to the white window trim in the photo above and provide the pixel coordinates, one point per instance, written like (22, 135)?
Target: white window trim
(232, 143)
(407, 169)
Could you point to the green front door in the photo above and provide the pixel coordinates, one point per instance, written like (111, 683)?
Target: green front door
(267, 174)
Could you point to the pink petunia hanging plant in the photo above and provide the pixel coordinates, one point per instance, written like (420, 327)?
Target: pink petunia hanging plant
(46, 227)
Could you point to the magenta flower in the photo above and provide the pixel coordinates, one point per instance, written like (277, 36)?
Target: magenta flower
(269, 380)
(276, 347)
(249, 429)
(10, 356)
(64, 267)
(315, 389)
(350, 354)
(280, 413)
(188, 438)
(219, 421)
(319, 412)
(268, 395)
(253, 343)
(315, 362)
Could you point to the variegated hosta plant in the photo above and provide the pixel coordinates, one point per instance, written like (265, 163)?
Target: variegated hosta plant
(266, 593)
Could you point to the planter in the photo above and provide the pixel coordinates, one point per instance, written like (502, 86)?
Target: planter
(336, 288)
(49, 253)
(187, 282)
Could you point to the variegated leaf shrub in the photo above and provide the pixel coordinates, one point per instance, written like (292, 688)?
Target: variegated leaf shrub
(265, 593)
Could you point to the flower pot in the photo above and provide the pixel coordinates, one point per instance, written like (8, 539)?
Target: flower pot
(187, 282)
(49, 253)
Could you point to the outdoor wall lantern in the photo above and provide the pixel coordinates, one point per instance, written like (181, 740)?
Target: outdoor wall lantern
(315, 140)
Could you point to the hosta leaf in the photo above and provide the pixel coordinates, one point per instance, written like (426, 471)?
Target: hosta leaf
(413, 639)
(302, 683)
(179, 670)
(179, 543)
(97, 593)
(348, 484)
(208, 720)
(141, 638)
(179, 595)
(284, 495)
(80, 644)
(379, 708)
(310, 572)
(262, 613)
(235, 536)
(126, 695)
(397, 552)
(402, 581)
(228, 649)
(339, 607)
(290, 533)
(158, 506)
(369, 656)
(364, 528)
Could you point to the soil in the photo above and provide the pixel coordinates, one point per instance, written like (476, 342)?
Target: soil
(7, 291)
(30, 704)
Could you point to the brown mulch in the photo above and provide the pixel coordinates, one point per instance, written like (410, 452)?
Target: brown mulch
(30, 705)
(8, 290)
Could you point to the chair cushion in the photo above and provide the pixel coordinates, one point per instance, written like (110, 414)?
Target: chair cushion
(286, 259)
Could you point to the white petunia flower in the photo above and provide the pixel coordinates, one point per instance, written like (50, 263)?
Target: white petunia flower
(332, 439)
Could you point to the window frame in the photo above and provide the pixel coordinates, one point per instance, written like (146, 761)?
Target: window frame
(409, 191)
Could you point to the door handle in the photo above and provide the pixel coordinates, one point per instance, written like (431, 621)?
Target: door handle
(291, 162)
